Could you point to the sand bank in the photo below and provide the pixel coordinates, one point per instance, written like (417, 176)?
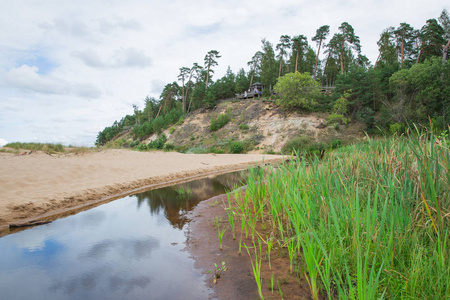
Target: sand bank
(37, 185)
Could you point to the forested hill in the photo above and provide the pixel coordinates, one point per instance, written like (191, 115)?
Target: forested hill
(409, 83)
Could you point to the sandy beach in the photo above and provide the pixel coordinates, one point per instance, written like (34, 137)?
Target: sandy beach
(37, 185)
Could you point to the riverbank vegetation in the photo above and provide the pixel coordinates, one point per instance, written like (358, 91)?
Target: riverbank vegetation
(370, 220)
(407, 84)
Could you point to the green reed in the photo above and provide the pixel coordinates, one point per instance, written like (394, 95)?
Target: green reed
(371, 220)
(256, 266)
(220, 233)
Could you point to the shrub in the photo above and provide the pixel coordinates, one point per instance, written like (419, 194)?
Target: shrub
(133, 144)
(244, 126)
(298, 144)
(219, 122)
(169, 147)
(396, 128)
(197, 150)
(336, 143)
(158, 143)
(142, 147)
(236, 147)
(215, 149)
(171, 130)
(297, 90)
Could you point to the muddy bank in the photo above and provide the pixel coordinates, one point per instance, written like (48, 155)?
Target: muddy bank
(238, 282)
(38, 185)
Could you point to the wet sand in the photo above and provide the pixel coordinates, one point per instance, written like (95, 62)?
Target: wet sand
(37, 185)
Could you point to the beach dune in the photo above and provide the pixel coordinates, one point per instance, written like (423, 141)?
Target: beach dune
(35, 185)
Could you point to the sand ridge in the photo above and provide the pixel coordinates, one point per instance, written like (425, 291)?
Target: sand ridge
(38, 184)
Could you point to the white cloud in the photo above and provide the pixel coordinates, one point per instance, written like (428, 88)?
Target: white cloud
(3, 142)
(75, 67)
(26, 78)
(122, 58)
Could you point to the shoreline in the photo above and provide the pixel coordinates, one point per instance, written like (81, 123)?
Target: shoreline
(40, 187)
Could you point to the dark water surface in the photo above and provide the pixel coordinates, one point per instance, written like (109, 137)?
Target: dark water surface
(130, 248)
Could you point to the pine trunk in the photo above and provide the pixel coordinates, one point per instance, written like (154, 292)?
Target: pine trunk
(444, 57)
(281, 63)
(317, 59)
(403, 49)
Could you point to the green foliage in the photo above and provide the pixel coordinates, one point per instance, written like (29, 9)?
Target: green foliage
(244, 126)
(158, 124)
(142, 147)
(303, 144)
(369, 221)
(335, 143)
(216, 150)
(171, 130)
(396, 128)
(236, 147)
(219, 121)
(197, 150)
(134, 143)
(169, 147)
(420, 93)
(339, 110)
(158, 143)
(297, 90)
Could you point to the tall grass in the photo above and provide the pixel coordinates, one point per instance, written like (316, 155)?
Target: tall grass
(371, 220)
(37, 147)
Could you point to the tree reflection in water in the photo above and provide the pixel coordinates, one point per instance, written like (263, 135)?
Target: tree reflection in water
(177, 200)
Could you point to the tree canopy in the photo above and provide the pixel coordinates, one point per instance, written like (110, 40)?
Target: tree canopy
(297, 90)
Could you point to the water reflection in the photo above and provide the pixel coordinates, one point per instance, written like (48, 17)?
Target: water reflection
(175, 201)
(115, 250)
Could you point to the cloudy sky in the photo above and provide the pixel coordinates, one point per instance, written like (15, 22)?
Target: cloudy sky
(70, 68)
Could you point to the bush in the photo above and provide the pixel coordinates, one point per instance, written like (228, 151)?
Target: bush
(237, 147)
(396, 128)
(298, 144)
(219, 122)
(244, 126)
(142, 147)
(171, 130)
(215, 149)
(197, 150)
(169, 147)
(336, 144)
(158, 124)
(297, 90)
(158, 143)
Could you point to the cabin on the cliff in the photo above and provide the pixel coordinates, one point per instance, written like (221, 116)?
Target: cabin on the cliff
(255, 91)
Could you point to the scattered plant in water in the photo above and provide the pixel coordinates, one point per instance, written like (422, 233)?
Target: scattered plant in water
(218, 271)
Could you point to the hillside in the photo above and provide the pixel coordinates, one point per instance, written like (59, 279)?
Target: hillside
(260, 125)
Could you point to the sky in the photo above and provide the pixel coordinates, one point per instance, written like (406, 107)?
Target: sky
(68, 69)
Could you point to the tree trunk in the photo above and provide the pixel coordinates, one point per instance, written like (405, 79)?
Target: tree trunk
(190, 101)
(183, 100)
(403, 49)
(207, 73)
(420, 52)
(253, 73)
(281, 63)
(378, 58)
(296, 63)
(444, 57)
(251, 80)
(342, 57)
(317, 59)
(159, 111)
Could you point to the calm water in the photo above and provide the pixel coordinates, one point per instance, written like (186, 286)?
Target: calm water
(130, 248)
